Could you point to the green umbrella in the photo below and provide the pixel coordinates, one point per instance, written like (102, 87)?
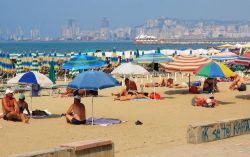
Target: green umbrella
(19, 66)
(34, 66)
(52, 75)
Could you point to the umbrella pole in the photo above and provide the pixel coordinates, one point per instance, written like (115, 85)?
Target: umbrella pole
(189, 83)
(92, 112)
(65, 75)
(31, 102)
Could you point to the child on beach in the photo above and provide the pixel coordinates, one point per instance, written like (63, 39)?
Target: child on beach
(23, 105)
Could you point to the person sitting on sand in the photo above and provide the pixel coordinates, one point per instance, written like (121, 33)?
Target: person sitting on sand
(10, 107)
(131, 95)
(130, 86)
(23, 105)
(238, 83)
(210, 85)
(76, 112)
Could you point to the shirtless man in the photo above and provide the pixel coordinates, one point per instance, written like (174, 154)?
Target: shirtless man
(130, 86)
(78, 110)
(10, 106)
(238, 83)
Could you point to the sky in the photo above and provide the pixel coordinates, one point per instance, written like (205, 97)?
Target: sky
(51, 15)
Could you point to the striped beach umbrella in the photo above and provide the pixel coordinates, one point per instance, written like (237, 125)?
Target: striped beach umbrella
(8, 66)
(34, 66)
(83, 62)
(19, 66)
(185, 63)
(224, 56)
(244, 59)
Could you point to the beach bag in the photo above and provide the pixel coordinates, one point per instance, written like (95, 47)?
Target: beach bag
(193, 89)
(155, 95)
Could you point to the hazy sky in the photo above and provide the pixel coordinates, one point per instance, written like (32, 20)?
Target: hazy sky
(50, 15)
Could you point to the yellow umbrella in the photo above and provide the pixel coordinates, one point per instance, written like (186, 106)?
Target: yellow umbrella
(226, 46)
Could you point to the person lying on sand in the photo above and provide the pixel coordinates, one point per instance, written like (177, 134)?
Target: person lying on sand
(201, 101)
(238, 83)
(76, 112)
(23, 105)
(130, 86)
(131, 96)
(10, 107)
(166, 83)
(70, 92)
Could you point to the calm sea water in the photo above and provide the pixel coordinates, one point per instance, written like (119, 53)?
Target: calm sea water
(84, 46)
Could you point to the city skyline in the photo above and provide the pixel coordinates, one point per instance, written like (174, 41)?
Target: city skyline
(49, 16)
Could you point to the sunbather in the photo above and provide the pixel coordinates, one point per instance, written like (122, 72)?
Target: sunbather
(167, 83)
(130, 86)
(76, 112)
(23, 105)
(10, 107)
(238, 83)
(131, 96)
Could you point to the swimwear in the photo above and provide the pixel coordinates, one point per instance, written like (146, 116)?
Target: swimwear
(21, 107)
(242, 87)
(77, 122)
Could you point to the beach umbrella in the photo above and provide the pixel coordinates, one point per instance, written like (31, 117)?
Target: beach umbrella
(93, 80)
(34, 66)
(153, 58)
(19, 66)
(244, 59)
(187, 63)
(31, 78)
(83, 62)
(129, 69)
(225, 46)
(213, 70)
(247, 45)
(52, 75)
(224, 56)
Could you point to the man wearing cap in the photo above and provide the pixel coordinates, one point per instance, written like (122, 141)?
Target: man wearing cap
(76, 112)
(10, 107)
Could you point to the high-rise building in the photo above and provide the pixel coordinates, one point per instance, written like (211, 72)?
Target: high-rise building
(35, 34)
(104, 23)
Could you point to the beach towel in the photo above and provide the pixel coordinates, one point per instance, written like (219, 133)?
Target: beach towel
(103, 121)
(140, 99)
(39, 113)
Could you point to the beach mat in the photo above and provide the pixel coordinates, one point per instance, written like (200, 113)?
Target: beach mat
(140, 99)
(103, 121)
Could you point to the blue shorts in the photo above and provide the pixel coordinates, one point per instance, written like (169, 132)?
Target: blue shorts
(77, 122)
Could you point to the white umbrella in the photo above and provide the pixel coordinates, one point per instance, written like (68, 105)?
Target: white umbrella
(130, 69)
(31, 78)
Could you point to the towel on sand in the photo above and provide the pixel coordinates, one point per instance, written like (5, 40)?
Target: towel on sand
(103, 121)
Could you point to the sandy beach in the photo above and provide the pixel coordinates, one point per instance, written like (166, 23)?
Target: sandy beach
(163, 132)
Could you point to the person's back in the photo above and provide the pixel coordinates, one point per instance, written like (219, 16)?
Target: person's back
(79, 111)
(132, 86)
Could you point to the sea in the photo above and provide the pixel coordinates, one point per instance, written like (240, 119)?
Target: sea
(69, 46)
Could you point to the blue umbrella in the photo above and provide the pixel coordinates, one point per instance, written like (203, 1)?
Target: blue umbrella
(93, 80)
(83, 62)
(153, 58)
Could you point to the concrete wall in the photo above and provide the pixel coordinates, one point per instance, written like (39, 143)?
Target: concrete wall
(90, 148)
(206, 132)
